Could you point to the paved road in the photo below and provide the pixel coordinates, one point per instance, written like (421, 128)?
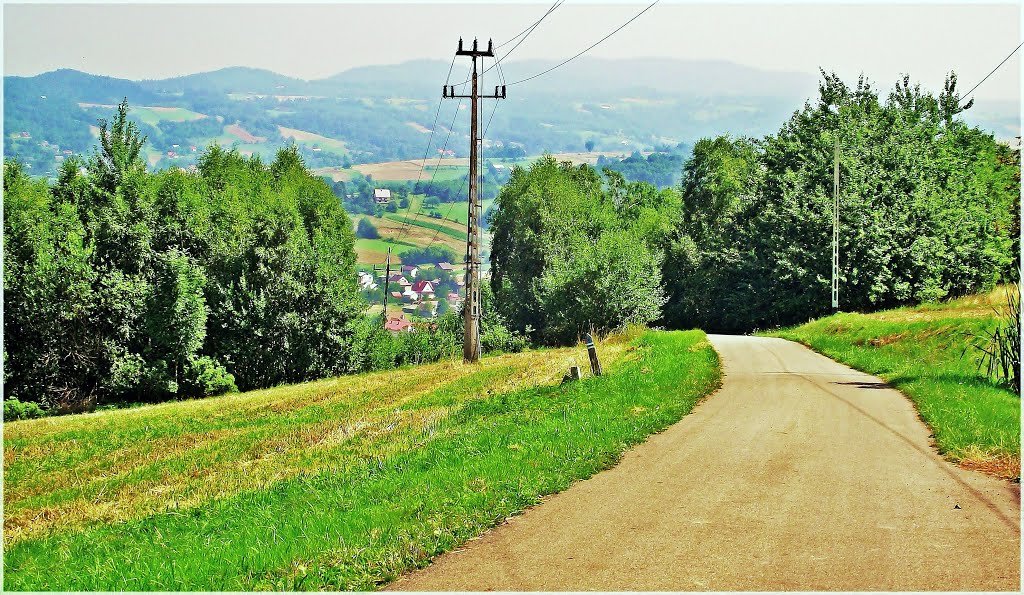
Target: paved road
(799, 474)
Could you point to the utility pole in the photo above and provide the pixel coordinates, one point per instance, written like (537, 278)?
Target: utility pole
(387, 286)
(835, 231)
(471, 312)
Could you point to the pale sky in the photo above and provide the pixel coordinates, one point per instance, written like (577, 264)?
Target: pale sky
(316, 40)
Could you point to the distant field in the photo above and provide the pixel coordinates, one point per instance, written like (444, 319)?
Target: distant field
(447, 228)
(397, 171)
(376, 251)
(418, 234)
(308, 138)
(449, 168)
(152, 115)
(242, 134)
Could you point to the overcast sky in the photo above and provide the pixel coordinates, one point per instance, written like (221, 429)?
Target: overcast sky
(316, 40)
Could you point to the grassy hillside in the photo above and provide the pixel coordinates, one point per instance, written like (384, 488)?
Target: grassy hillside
(337, 484)
(918, 350)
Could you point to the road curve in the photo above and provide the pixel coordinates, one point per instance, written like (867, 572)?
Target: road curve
(799, 474)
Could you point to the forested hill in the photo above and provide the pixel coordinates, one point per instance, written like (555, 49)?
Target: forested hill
(382, 113)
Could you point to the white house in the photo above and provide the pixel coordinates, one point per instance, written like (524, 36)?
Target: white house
(366, 281)
(381, 195)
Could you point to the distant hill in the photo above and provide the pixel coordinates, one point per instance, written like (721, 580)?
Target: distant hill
(236, 79)
(74, 86)
(379, 113)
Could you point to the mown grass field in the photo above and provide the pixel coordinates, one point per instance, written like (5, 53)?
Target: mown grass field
(305, 138)
(918, 351)
(420, 233)
(338, 484)
(443, 227)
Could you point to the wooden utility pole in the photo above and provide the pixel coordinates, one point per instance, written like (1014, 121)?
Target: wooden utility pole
(835, 231)
(471, 312)
(387, 286)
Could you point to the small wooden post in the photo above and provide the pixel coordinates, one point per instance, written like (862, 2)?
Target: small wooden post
(595, 364)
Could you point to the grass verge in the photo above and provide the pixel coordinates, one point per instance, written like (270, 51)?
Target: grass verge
(975, 422)
(376, 479)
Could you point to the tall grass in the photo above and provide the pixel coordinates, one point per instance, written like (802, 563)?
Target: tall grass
(1000, 346)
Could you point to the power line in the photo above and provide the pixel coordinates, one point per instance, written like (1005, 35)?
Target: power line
(994, 69)
(407, 223)
(636, 16)
(464, 187)
(550, 10)
(433, 128)
(530, 31)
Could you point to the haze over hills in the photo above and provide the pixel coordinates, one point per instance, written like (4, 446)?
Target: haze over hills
(381, 113)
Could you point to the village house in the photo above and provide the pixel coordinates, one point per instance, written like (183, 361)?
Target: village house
(400, 280)
(366, 281)
(423, 288)
(445, 266)
(410, 270)
(409, 292)
(453, 299)
(396, 295)
(398, 325)
(381, 196)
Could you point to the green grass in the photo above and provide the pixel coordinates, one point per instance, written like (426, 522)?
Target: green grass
(443, 173)
(426, 222)
(406, 478)
(382, 245)
(918, 351)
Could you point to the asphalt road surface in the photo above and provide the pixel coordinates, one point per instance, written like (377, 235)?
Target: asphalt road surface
(799, 474)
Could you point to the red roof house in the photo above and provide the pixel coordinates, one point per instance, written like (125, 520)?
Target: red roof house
(398, 325)
(423, 286)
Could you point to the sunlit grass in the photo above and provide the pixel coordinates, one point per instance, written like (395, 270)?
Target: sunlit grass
(923, 351)
(337, 484)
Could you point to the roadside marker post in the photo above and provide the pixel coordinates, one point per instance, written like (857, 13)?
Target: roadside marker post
(595, 364)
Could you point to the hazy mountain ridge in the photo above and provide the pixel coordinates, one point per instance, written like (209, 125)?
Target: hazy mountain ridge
(378, 112)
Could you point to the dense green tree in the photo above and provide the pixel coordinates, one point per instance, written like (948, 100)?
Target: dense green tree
(122, 285)
(366, 229)
(572, 252)
(927, 205)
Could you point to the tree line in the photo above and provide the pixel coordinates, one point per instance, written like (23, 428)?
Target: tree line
(928, 210)
(123, 285)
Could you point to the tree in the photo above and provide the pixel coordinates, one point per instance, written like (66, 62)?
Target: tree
(121, 285)
(927, 206)
(589, 145)
(572, 252)
(366, 229)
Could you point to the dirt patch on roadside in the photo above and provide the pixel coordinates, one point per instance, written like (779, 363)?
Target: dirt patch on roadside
(1002, 466)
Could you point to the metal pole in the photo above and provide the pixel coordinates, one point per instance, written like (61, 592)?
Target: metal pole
(387, 287)
(835, 230)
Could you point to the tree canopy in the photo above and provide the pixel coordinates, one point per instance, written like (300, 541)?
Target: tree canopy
(928, 209)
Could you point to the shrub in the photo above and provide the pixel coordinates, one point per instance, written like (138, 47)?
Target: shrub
(15, 409)
(208, 378)
(367, 230)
